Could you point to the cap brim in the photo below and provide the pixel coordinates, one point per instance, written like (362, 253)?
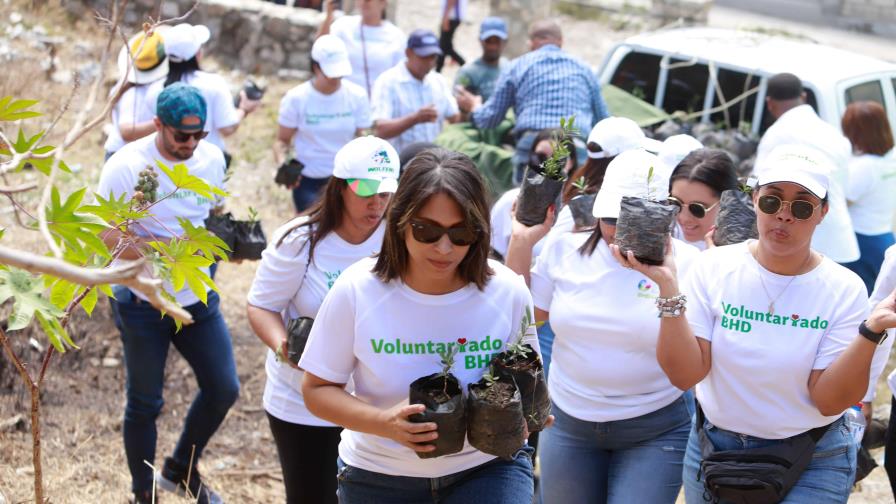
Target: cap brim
(201, 33)
(651, 145)
(794, 177)
(369, 187)
(493, 33)
(427, 51)
(337, 69)
(606, 204)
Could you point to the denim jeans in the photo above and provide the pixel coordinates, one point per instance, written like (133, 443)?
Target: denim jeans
(828, 479)
(308, 192)
(496, 482)
(206, 346)
(546, 344)
(623, 461)
(872, 248)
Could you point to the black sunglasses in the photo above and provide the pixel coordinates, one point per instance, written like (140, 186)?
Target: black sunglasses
(698, 210)
(800, 209)
(425, 232)
(183, 137)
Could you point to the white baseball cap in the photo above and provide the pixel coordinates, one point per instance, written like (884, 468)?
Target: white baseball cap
(799, 164)
(369, 164)
(677, 147)
(330, 53)
(616, 135)
(183, 41)
(629, 174)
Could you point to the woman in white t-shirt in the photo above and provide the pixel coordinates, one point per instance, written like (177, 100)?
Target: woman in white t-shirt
(695, 187)
(872, 184)
(374, 44)
(319, 117)
(296, 271)
(619, 419)
(383, 324)
(770, 335)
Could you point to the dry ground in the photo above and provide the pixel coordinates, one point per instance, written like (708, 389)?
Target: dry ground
(84, 400)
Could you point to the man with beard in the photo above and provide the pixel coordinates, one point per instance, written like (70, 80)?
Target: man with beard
(479, 76)
(146, 334)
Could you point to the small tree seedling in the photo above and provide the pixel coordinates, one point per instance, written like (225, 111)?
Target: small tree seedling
(447, 362)
(580, 185)
(560, 142)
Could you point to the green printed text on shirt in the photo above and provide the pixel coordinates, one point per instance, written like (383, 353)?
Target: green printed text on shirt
(479, 353)
(740, 318)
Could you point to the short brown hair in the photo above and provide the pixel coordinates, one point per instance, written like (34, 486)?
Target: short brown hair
(866, 126)
(431, 172)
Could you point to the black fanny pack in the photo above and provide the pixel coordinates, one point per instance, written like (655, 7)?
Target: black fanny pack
(756, 475)
(297, 332)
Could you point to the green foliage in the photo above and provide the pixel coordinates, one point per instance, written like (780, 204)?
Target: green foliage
(201, 240)
(518, 349)
(15, 110)
(23, 144)
(253, 215)
(580, 185)
(185, 266)
(560, 143)
(76, 229)
(447, 359)
(490, 378)
(183, 180)
(26, 289)
(118, 212)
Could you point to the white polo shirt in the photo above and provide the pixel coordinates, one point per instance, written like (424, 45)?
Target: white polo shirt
(800, 125)
(383, 46)
(397, 93)
(872, 185)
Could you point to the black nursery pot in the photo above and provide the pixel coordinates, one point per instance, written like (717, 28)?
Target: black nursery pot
(537, 193)
(250, 241)
(448, 411)
(582, 207)
(495, 418)
(528, 374)
(224, 227)
(642, 227)
(736, 220)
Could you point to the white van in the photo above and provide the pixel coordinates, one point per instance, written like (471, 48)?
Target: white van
(697, 69)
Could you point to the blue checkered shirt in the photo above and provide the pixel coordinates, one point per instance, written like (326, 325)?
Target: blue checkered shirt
(542, 86)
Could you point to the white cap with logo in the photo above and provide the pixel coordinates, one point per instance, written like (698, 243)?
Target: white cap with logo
(799, 164)
(330, 53)
(636, 173)
(616, 135)
(369, 164)
(183, 41)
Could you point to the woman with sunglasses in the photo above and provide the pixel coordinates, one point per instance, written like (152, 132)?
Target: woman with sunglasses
(382, 325)
(619, 418)
(299, 266)
(695, 187)
(776, 337)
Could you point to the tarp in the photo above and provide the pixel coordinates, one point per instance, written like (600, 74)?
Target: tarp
(623, 104)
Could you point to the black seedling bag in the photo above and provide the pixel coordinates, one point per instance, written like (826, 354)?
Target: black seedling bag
(224, 227)
(297, 332)
(496, 429)
(450, 415)
(582, 209)
(736, 220)
(537, 193)
(643, 227)
(531, 383)
(250, 241)
(289, 172)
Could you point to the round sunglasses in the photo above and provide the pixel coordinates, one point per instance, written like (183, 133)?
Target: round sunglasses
(698, 210)
(800, 209)
(425, 232)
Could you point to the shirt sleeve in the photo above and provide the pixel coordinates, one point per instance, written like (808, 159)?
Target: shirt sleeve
(886, 278)
(878, 363)
(290, 111)
(860, 179)
(115, 178)
(699, 308)
(221, 108)
(449, 103)
(490, 114)
(152, 97)
(540, 280)
(381, 98)
(329, 353)
(281, 265)
(128, 110)
(843, 330)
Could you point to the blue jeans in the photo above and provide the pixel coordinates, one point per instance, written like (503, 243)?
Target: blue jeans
(206, 346)
(546, 344)
(624, 461)
(496, 482)
(872, 249)
(828, 479)
(308, 192)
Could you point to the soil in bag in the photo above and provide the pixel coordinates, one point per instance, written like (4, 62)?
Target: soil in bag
(495, 423)
(224, 227)
(582, 209)
(444, 401)
(527, 372)
(537, 193)
(736, 220)
(250, 241)
(643, 227)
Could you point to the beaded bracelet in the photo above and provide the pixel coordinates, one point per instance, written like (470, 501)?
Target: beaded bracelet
(672, 306)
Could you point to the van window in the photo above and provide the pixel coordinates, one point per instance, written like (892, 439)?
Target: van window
(731, 84)
(866, 91)
(638, 74)
(685, 86)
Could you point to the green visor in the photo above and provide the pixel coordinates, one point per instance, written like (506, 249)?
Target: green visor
(369, 187)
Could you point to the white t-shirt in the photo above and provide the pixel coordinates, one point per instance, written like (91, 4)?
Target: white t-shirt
(384, 46)
(397, 93)
(604, 317)
(872, 185)
(458, 12)
(283, 285)
(218, 100)
(758, 382)
(324, 123)
(883, 286)
(129, 109)
(834, 237)
(120, 175)
(502, 224)
(386, 335)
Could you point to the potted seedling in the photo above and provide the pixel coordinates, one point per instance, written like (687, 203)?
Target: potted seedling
(522, 365)
(582, 205)
(223, 225)
(542, 185)
(250, 241)
(644, 225)
(444, 400)
(736, 220)
(495, 422)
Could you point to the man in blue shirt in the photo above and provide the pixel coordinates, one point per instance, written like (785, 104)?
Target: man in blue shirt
(542, 86)
(480, 76)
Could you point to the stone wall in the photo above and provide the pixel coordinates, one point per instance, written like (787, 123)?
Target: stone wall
(252, 35)
(871, 16)
(659, 11)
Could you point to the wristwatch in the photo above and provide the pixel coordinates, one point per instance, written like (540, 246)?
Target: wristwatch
(876, 338)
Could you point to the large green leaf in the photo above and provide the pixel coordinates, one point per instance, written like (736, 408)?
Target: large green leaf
(180, 176)
(14, 110)
(25, 290)
(200, 239)
(76, 229)
(24, 144)
(185, 267)
(114, 210)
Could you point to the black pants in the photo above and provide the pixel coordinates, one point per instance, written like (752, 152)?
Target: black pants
(308, 460)
(446, 42)
(890, 450)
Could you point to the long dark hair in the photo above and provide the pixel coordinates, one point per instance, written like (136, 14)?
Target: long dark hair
(177, 69)
(711, 167)
(431, 172)
(324, 216)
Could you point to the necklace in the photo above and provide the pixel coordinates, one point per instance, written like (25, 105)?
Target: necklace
(771, 303)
